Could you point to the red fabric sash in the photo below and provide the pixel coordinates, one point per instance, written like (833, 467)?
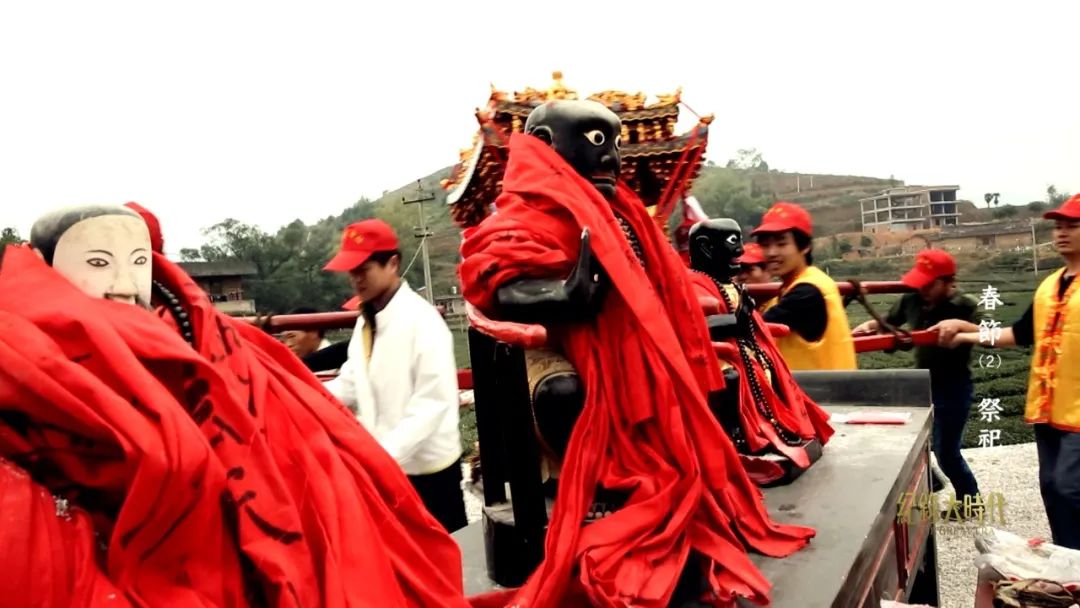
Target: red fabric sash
(646, 429)
(211, 476)
(793, 408)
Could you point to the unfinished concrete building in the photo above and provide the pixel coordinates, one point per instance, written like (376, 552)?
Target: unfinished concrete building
(910, 208)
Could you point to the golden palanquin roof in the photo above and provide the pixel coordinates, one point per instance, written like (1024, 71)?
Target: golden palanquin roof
(658, 164)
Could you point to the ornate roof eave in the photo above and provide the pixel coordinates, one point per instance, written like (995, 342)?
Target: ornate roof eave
(675, 145)
(512, 108)
(675, 159)
(462, 182)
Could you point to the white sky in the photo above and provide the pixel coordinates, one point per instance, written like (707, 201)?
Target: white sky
(270, 111)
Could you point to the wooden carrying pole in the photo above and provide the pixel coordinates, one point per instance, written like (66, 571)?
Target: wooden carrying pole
(764, 291)
(327, 321)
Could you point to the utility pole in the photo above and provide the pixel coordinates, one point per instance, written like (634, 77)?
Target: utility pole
(422, 233)
(1034, 248)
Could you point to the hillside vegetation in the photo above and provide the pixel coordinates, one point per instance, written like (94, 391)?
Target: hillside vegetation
(290, 260)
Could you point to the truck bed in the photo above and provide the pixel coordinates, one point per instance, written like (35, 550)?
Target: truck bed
(860, 553)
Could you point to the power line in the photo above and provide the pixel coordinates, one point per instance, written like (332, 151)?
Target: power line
(422, 234)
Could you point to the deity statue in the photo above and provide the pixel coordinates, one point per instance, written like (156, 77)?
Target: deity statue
(154, 451)
(768, 415)
(103, 250)
(572, 248)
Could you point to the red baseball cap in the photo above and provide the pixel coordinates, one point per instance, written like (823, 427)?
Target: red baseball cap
(752, 254)
(1069, 210)
(930, 264)
(784, 216)
(359, 241)
(352, 304)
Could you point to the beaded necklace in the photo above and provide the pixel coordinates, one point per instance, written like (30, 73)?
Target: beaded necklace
(635, 244)
(746, 346)
(176, 309)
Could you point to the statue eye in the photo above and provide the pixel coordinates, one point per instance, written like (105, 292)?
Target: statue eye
(97, 262)
(618, 141)
(732, 239)
(595, 137)
(139, 261)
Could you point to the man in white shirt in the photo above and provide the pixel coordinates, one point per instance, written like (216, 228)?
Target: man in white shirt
(400, 378)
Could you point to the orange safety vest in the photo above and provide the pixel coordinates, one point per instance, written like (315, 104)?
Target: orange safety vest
(1054, 381)
(835, 349)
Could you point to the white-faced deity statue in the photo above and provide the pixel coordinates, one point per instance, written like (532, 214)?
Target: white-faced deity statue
(104, 250)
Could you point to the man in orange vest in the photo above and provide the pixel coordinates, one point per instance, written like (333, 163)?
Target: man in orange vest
(809, 302)
(1052, 325)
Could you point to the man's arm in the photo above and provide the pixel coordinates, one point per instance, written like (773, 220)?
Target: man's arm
(1005, 340)
(948, 328)
(1024, 328)
(434, 395)
(1022, 333)
(897, 317)
(353, 394)
(344, 386)
(803, 310)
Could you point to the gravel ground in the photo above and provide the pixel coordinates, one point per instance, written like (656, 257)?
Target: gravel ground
(1011, 470)
(473, 503)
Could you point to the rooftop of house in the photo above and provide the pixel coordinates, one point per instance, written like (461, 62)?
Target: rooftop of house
(903, 190)
(220, 268)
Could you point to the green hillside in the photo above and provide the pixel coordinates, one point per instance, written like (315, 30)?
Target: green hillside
(743, 195)
(445, 240)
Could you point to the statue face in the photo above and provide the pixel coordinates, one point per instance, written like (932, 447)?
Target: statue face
(586, 134)
(107, 256)
(714, 247)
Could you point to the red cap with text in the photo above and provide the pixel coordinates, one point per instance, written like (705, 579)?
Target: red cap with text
(784, 216)
(752, 254)
(1069, 210)
(359, 241)
(930, 264)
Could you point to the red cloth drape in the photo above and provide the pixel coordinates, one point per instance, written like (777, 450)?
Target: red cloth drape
(646, 428)
(211, 476)
(794, 409)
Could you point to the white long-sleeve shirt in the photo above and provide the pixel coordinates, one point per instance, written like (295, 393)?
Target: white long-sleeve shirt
(407, 394)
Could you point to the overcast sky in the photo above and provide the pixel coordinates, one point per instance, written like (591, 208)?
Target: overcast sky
(270, 111)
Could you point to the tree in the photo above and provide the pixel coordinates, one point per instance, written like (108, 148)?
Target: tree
(9, 236)
(728, 193)
(1055, 198)
(1037, 206)
(288, 263)
(1004, 212)
(748, 160)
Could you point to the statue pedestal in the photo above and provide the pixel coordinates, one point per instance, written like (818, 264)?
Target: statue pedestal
(792, 472)
(515, 513)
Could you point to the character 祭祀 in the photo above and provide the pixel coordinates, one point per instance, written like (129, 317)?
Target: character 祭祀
(638, 340)
(186, 459)
(767, 412)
